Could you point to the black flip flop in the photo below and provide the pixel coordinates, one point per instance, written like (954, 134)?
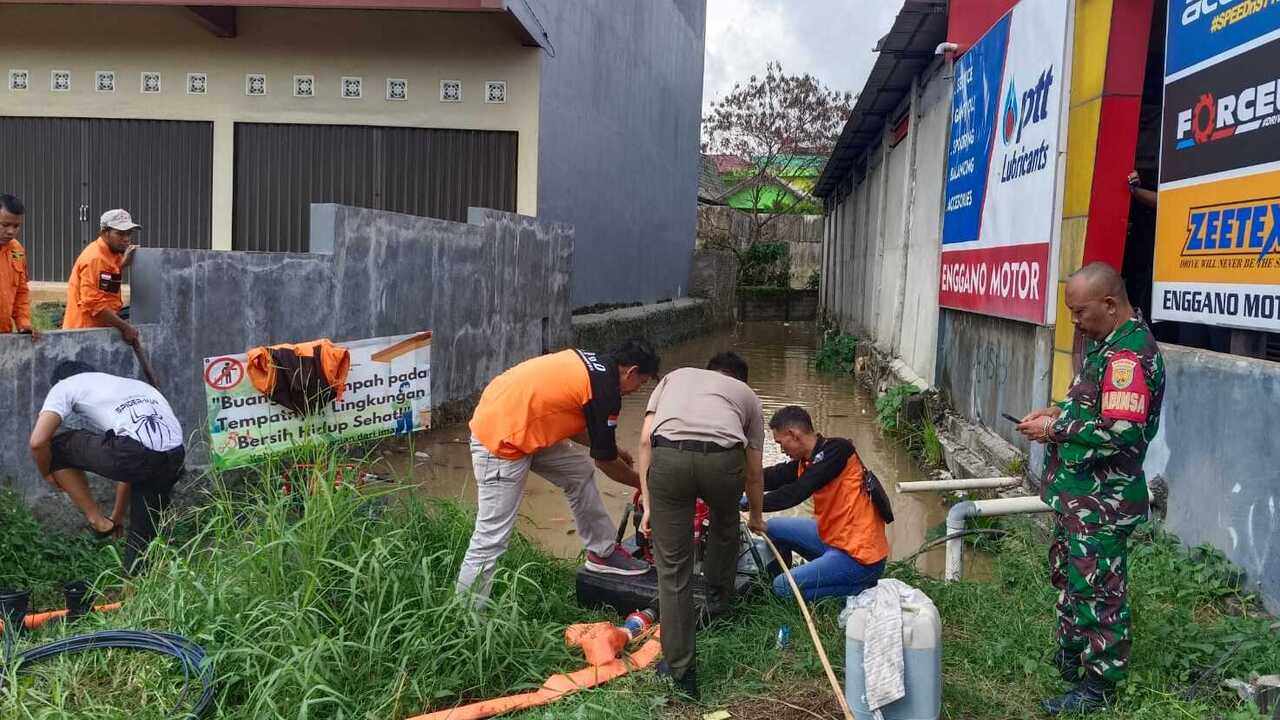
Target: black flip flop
(103, 534)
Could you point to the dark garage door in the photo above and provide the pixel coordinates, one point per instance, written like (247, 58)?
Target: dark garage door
(69, 171)
(281, 169)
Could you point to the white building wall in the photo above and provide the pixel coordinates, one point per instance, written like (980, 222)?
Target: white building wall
(424, 48)
(887, 233)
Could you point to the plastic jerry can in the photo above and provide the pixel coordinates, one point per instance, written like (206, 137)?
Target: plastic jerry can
(922, 662)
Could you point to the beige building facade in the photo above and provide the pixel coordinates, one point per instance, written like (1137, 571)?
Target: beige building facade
(289, 66)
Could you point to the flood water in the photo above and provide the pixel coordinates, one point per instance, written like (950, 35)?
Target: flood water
(780, 356)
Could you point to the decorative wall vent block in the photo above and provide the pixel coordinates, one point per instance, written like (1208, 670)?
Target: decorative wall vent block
(397, 89)
(255, 84)
(197, 83)
(304, 86)
(352, 88)
(150, 83)
(60, 80)
(495, 91)
(450, 91)
(104, 81)
(19, 80)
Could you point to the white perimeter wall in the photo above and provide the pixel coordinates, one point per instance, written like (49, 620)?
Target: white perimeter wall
(880, 245)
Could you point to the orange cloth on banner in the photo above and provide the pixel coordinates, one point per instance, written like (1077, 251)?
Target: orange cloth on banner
(319, 365)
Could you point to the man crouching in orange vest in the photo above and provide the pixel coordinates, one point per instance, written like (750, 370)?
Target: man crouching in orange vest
(845, 545)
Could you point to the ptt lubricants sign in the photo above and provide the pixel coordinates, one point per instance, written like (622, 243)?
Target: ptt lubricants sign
(1218, 228)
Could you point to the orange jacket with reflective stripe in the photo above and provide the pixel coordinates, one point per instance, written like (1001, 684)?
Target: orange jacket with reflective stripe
(94, 286)
(15, 302)
(847, 519)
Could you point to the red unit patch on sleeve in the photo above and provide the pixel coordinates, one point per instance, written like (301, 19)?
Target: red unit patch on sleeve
(1124, 389)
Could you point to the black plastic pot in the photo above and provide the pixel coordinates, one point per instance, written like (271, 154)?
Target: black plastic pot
(14, 605)
(80, 598)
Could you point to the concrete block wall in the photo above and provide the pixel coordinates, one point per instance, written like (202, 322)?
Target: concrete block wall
(720, 227)
(1222, 470)
(494, 291)
(714, 277)
(989, 365)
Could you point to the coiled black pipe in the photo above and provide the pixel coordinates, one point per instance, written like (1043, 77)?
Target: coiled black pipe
(191, 656)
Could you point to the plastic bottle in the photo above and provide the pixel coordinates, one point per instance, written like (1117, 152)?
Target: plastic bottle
(784, 636)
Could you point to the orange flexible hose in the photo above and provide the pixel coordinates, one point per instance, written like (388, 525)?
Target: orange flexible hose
(593, 638)
(35, 620)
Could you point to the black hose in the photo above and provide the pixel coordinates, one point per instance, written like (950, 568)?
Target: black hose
(959, 534)
(191, 656)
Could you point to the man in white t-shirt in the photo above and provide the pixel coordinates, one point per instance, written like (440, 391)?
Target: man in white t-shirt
(133, 438)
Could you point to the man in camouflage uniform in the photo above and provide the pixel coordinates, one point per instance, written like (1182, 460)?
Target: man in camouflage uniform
(1097, 439)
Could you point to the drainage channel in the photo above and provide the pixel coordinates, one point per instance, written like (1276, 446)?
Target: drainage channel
(780, 356)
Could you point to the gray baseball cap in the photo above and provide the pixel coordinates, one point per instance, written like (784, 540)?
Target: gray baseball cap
(118, 220)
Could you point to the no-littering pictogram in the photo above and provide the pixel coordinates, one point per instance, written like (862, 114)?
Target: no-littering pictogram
(224, 373)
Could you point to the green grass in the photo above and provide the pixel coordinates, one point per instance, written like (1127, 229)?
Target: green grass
(998, 633)
(919, 437)
(33, 559)
(837, 353)
(342, 607)
(48, 315)
(889, 406)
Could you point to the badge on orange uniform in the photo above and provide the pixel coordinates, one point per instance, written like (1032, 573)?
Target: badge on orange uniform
(1124, 389)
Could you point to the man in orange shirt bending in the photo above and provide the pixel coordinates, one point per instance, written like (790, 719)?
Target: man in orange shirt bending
(525, 421)
(93, 290)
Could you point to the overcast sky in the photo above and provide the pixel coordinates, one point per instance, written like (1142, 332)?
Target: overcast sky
(831, 39)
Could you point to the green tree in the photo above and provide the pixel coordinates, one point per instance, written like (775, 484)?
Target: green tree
(784, 125)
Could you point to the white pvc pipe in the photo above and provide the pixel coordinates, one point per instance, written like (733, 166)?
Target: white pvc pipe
(967, 484)
(961, 512)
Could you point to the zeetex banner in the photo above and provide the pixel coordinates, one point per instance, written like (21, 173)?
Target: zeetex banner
(1218, 224)
(1002, 186)
(388, 391)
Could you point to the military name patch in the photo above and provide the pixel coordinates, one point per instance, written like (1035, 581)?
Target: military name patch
(1125, 401)
(1124, 389)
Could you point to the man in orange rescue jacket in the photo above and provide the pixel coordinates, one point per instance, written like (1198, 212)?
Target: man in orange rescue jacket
(15, 302)
(525, 421)
(93, 290)
(845, 544)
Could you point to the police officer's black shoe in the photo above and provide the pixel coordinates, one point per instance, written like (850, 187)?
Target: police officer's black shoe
(1090, 695)
(686, 686)
(1068, 664)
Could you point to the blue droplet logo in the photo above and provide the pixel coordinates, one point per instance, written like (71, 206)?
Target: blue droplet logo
(1010, 125)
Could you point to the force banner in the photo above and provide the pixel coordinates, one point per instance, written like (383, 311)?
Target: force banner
(1217, 259)
(388, 391)
(1002, 185)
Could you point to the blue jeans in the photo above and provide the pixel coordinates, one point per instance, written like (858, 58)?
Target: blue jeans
(830, 572)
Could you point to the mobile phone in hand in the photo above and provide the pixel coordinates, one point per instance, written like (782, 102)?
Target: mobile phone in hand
(1010, 418)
